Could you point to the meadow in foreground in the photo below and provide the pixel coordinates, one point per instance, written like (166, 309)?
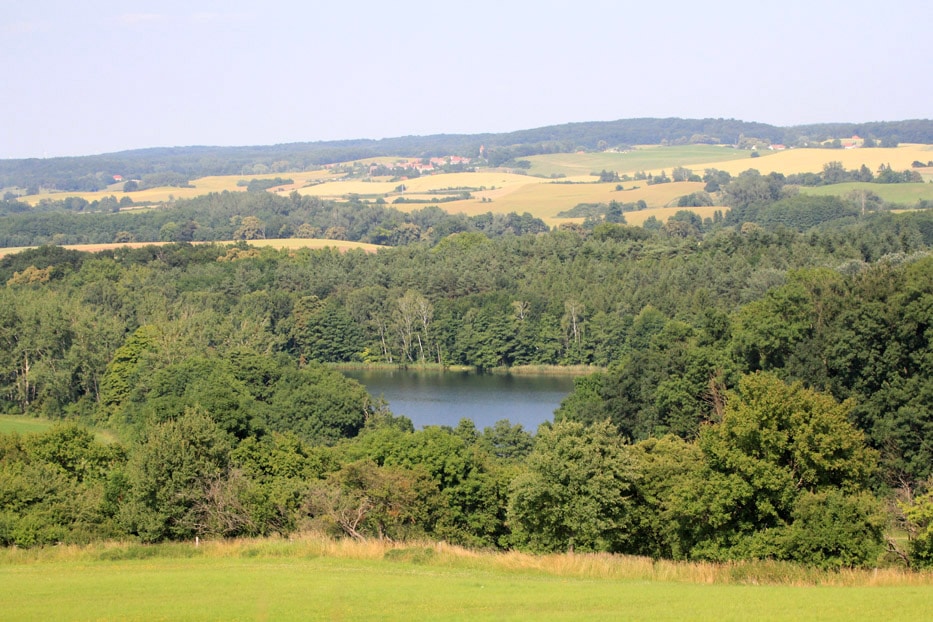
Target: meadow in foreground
(314, 578)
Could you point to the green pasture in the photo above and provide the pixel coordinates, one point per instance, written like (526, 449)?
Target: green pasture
(905, 194)
(23, 424)
(181, 582)
(649, 158)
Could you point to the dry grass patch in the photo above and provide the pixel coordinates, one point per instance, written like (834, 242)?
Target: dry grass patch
(277, 243)
(441, 554)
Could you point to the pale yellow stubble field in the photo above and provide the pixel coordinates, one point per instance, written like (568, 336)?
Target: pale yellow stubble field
(793, 161)
(201, 186)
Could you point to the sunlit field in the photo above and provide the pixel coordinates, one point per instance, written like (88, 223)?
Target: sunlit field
(544, 197)
(201, 186)
(278, 243)
(906, 194)
(812, 160)
(23, 424)
(417, 185)
(646, 158)
(313, 578)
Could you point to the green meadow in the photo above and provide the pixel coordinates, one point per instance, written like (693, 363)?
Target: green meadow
(646, 158)
(315, 579)
(905, 194)
(23, 424)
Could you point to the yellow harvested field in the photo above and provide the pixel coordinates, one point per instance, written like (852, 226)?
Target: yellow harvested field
(278, 243)
(202, 186)
(812, 160)
(416, 185)
(543, 197)
(546, 200)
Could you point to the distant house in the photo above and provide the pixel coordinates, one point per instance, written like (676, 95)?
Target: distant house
(118, 177)
(777, 147)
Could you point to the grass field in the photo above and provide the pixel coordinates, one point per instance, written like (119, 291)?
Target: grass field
(279, 243)
(317, 579)
(644, 158)
(906, 194)
(23, 424)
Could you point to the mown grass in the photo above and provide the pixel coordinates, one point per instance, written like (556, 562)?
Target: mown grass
(23, 424)
(320, 579)
(644, 158)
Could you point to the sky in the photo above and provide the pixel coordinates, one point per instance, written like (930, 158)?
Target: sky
(99, 76)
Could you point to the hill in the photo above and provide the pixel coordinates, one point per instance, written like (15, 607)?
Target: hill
(95, 172)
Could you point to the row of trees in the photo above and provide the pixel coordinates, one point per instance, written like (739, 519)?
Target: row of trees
(221, 217)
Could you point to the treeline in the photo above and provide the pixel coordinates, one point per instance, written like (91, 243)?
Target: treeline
(764, 392)
(92, 173)
(245, 215)
(836, 173)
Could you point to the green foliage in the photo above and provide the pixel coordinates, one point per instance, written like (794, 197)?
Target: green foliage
(832, 529)
(574, 493)
(55, 487)
(148, 338)
(364, 500)
(918, 513)
(780, 453)
(318, 404)
(169, 476)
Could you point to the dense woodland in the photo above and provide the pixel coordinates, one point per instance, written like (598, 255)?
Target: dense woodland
(762, 384)
(765, 392)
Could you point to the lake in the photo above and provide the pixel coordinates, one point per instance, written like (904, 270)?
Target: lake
(444, 398)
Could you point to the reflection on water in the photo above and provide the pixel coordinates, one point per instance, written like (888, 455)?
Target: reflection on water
(444, 398)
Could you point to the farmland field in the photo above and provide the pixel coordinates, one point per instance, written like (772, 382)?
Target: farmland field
(503, 192)
(278, 243)
(906, 194)
(812, 160)
(283, 580)
(204, 185)
(644, 158)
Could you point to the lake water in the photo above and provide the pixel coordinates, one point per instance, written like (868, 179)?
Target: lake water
(444, 398)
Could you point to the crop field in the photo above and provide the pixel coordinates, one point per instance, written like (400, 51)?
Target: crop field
(278, 243)
(646, 158)
(812, 160)
(501, 192)
(906, 194)
(317, 579)
(204, 185)
(418, 185)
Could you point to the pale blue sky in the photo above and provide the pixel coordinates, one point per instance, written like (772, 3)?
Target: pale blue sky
(100, 76)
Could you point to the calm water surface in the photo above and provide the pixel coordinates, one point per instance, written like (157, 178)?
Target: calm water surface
(444, 398)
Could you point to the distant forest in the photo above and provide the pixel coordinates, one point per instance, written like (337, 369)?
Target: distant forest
(90, 173)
